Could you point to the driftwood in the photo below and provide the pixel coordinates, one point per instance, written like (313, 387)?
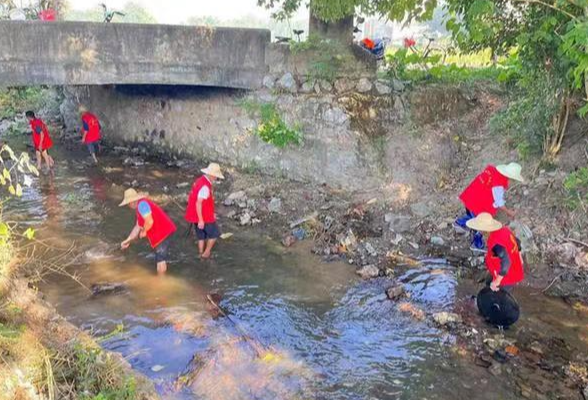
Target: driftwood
(401, 259)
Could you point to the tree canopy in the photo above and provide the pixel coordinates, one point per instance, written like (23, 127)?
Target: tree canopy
(329, 10)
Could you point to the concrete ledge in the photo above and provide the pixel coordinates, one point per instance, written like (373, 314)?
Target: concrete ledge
(83, 53)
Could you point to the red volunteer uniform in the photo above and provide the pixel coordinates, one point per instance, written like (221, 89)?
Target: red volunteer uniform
(478, 197)
(505, 238)
(207, 204)
(38, 125)
(93, 132)
(162, 227)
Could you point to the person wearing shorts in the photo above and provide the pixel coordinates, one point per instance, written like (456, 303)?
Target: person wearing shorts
(91, 132)
(41, 140)
(152, 223)
(200, 210)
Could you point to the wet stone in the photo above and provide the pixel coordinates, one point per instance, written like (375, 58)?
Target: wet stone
(395, 292)
(368, 272)
(108, 289)
(446, 318)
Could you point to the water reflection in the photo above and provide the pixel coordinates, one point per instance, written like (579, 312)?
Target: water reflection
(333, 336)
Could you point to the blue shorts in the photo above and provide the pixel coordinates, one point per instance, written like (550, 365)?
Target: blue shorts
(210, 232)
(161, 251)
(93, 147)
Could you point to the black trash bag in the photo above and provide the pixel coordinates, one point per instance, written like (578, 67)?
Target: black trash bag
(498, 308)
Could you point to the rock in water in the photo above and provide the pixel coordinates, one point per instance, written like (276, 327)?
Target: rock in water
(369, 271)
(103, 289)
(395, 292)
(498, 308)
(446, 318)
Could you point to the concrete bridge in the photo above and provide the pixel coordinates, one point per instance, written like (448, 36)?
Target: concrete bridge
(83, 53)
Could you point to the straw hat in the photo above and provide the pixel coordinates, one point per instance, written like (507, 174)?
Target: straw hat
(484, 223)
(132, 195)
(511, 171)
(82, 109)
(213, 169)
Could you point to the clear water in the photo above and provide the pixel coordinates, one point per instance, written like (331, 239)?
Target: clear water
(331, 335)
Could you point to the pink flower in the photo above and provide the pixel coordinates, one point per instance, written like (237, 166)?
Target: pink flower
(409, 42)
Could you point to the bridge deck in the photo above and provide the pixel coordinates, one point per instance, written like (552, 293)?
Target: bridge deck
(83, 53)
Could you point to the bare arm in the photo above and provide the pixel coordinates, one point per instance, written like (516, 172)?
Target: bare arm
(199, 213)
(147, 225)
(132, 236)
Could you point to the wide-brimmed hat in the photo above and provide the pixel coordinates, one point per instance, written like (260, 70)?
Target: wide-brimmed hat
(82, 109)
(484, 223)
(213, 169)
(511, 171)
(132, 195)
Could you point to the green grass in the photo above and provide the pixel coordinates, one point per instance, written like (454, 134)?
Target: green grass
(271, 127)
(576, 187)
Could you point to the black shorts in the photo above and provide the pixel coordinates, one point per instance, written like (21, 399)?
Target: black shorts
(210, 231)
(161, 250)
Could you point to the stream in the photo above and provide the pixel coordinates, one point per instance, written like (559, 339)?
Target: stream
(328, 334)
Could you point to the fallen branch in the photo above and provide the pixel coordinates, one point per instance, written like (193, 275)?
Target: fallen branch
(552, 282)
(576, 241)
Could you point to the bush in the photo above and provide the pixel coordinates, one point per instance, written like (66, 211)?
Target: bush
(272, 128)
(17, 100)
(576, 187)
(527, 120)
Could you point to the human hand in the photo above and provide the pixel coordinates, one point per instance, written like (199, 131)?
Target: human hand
(143, 234)
(201, 225)
(495, 286)
(125, 245)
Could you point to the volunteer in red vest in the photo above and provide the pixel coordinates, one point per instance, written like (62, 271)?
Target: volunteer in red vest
(41, 140)
(486, 194)
(200, 209)
(90, 132)
(503, 259)
(152, 223)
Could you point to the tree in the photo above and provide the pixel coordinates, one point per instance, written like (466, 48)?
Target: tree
(329, 10)
(550, 40)
(133, 13)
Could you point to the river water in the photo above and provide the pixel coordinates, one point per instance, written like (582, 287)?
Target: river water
(322, 332)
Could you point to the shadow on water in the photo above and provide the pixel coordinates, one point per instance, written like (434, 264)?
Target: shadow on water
(330, 335)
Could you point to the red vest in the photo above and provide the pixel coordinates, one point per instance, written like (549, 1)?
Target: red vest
(162, 227)
(47, 142)
(207, 204)
(506, 239)
(93, 132)
(477, 197)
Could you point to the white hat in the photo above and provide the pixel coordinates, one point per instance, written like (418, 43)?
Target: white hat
(484, 223)
(213, 169)
(132, 195)
(511, 171)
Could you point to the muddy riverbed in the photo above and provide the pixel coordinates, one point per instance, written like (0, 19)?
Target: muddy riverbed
(300, 327)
